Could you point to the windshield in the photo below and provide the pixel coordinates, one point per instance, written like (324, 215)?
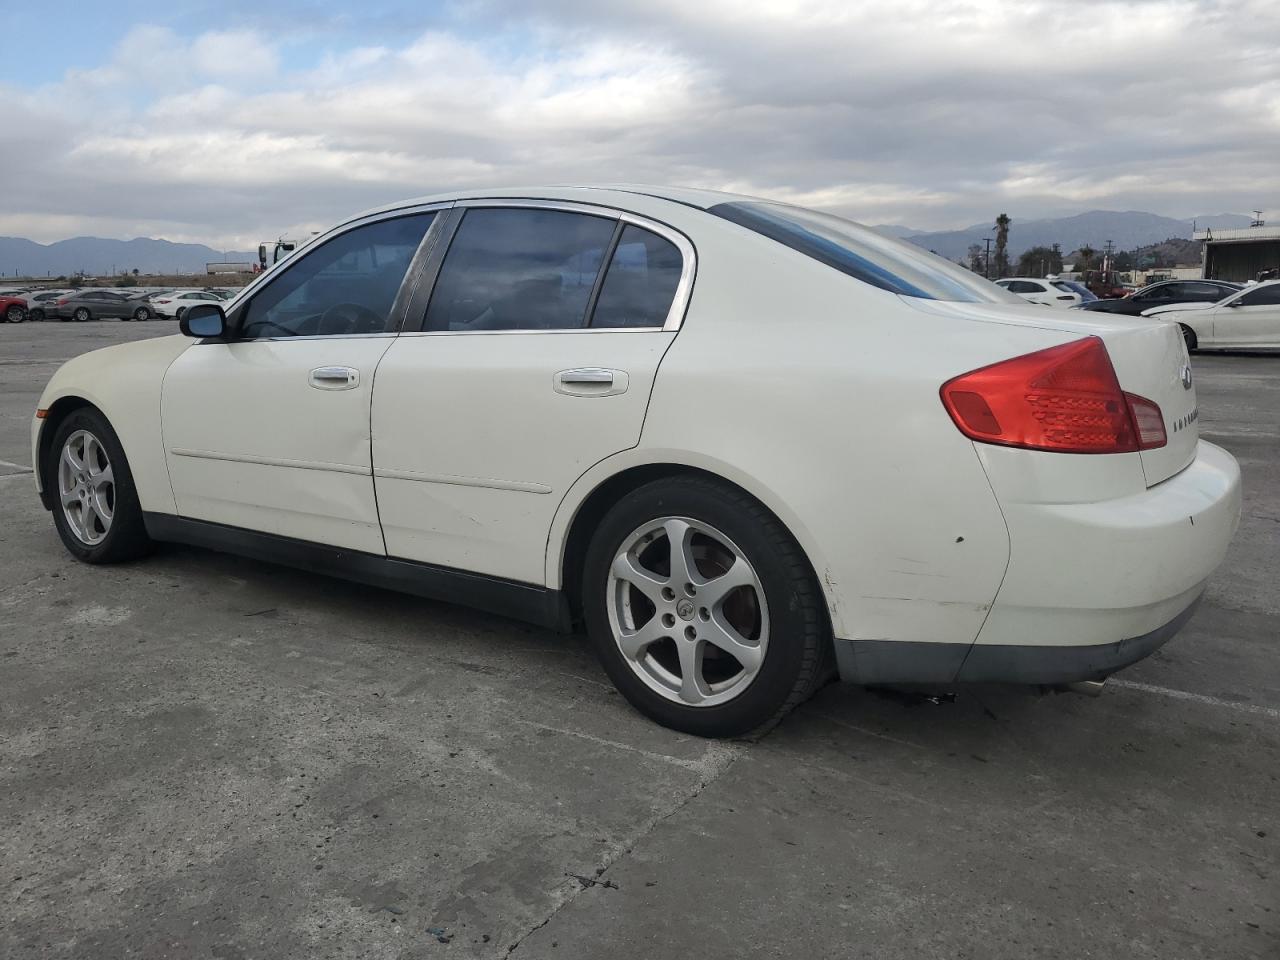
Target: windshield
(893, 265)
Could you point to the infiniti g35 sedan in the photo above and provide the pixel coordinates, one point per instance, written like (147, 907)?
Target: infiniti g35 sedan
(747, 446)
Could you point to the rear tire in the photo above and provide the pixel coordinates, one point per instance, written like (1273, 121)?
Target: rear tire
(1189, 336)
(738, 689)
(142, 313)
(82, 314)
(95, 503)
(36, 315)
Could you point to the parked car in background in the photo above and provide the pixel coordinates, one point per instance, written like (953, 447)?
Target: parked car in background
(1163, 294)
(13, 307)
(1086, 295)
(40, 302)
(84, 305)
(1050, 293)
(174, 304)
(1248, 318)
(516, 400)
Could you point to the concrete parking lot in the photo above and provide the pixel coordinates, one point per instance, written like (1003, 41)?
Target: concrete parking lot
(202, 756)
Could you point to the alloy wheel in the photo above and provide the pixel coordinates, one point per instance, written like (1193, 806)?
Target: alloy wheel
(688, 611)
(86, 487)
(15, 314)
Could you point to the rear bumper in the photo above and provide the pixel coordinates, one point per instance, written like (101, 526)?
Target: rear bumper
(1091, 587)
(884, 661)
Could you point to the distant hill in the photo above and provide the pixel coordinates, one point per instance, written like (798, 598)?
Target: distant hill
(1126, 229)
(96, 256)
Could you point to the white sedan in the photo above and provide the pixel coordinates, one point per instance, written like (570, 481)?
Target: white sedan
(1050, 293)
(174, 303)
(1247, 319)
(747, 445)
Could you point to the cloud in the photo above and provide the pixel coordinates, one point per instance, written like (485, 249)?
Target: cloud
(930, 112)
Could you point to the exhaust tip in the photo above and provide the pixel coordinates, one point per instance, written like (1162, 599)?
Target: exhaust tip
(1089, 688)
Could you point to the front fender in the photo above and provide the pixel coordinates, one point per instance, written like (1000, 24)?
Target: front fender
(123, 382)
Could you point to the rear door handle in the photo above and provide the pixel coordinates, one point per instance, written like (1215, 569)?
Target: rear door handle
(334, 378)
(591, 382)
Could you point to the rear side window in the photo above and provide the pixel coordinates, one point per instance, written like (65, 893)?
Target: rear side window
(1062, 286)
(893, 265)
(519, 269)
(641, 281)
(1263, 296)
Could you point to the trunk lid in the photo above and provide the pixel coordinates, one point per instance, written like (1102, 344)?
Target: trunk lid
(1149, 356)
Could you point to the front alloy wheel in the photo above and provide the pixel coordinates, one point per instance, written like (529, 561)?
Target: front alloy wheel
(81, 314)
(687, 611)
(86, 487)
(15, 314)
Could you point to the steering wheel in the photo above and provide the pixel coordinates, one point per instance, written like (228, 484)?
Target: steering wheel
(350, 318)
(264, 323)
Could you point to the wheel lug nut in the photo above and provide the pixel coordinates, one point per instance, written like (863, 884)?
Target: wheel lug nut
(668, 620)
(690, 633)
(668, 594)
(689, 590)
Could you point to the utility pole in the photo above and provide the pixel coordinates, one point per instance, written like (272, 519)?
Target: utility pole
(986, 263)
(1106, 257)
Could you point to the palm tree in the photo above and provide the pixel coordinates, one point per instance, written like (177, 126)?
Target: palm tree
(1087, 253)
(1002, 243)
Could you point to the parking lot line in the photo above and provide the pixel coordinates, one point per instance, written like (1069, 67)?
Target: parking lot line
(16, 466)
(1254, 708)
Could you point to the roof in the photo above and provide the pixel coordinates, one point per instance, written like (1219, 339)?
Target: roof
(1242, 235)
(586, 193)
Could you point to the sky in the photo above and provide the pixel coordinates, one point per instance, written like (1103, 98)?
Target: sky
(228, 123)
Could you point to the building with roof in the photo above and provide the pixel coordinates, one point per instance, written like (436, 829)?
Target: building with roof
(1248, 253)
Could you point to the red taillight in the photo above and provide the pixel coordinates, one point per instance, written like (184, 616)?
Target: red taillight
(162, 301)
(63, 302)
(1066, 399)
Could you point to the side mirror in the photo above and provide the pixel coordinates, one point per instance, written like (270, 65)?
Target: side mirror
(204, 320)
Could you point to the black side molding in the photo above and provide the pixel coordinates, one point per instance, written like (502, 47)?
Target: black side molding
(510, 598)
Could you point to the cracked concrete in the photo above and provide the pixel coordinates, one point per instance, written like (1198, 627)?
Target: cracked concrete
(206, 757)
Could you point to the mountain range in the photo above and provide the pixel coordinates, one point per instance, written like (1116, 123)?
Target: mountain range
(98, 257)
(1127, 229)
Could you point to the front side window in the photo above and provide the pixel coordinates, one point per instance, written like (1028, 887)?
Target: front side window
(344, 286)
(519, 269)
(641, 281)
(862, 253)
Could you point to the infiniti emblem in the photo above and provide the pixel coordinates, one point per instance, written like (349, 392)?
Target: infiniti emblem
(1185, 374)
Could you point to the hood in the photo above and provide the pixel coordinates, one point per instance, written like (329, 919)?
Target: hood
(1177, 307)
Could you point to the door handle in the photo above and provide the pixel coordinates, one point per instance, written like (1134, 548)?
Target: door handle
(591, 382)
(334, 378)
(587, 375)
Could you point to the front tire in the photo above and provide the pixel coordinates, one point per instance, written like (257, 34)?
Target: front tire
(36, 315)
(15, 314)
(95, 503)
(703, 609)
(1190, 337)
(82, 314)
(142, 313)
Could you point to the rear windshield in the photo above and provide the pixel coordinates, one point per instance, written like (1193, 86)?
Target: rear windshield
(893, 265)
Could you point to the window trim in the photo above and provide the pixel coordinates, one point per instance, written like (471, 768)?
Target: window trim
(417, 306)
(234, 308)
